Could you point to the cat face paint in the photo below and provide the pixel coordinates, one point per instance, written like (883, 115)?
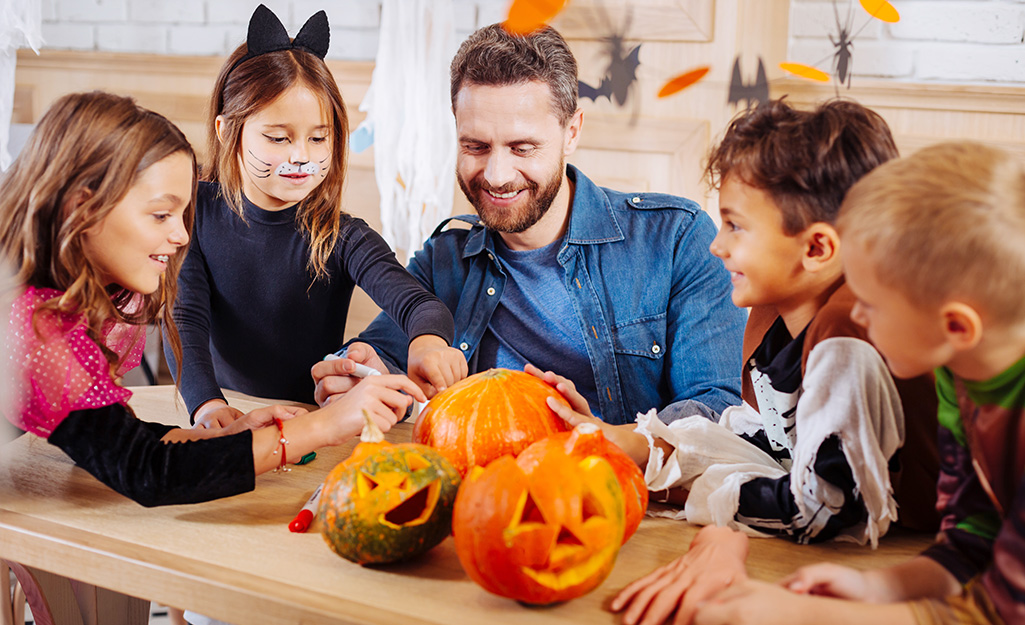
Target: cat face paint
(290, 169)
(286, 150)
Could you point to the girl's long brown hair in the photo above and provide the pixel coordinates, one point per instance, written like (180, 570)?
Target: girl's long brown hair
(243, 91)
(83, 157)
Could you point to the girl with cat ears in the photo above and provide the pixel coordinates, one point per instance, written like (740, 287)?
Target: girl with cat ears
(255, 75)
(265, 290)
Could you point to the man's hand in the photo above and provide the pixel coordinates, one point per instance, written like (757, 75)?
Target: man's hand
(575, 411)
(215, 414)
(333, 377)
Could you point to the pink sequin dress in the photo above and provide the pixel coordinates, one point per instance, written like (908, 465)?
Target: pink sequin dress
(59, 368)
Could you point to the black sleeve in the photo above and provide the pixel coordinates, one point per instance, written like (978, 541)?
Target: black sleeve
(373, 267)
(127, 455)
(768, 504)
(198, 383)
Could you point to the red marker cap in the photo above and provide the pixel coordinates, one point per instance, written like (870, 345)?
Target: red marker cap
(301, 522)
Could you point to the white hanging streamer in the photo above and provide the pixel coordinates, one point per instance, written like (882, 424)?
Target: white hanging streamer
(20, 26)
(409, 115)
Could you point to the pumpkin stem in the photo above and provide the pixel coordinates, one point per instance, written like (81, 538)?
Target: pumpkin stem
(371, 433)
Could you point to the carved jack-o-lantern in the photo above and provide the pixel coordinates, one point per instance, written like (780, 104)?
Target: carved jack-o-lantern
(587, 439)
(387, 502)
(539, 532)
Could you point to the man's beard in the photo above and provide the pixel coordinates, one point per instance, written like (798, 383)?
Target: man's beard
(539, 200)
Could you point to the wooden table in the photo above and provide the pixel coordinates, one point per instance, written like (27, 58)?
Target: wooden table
(235, 559)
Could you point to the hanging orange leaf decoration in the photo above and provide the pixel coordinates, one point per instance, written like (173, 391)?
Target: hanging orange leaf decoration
(881, 9)
(683, 81)
(805, 71)
(526, 16)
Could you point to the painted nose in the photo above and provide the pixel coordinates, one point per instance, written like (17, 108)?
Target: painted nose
(299, 155)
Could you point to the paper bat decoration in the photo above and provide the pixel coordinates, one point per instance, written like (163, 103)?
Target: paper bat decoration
(620, 75)
(750, 93)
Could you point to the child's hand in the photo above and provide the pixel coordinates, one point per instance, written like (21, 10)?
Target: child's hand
(714, 561)
(833, 580)
(751, 602)
(262, 417)
(384, 397)
(332, 378)
(434, 365)
(215, 414)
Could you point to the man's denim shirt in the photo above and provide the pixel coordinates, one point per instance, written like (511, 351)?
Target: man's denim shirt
(654, 304)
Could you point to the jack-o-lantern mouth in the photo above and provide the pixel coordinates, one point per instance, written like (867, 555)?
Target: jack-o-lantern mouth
(414, 506)
(573, 556)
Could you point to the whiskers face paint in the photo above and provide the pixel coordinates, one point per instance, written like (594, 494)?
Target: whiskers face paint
(257, 167)
(286, 150)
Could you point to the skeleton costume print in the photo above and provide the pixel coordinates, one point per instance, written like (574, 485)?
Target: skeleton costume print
(812, 453)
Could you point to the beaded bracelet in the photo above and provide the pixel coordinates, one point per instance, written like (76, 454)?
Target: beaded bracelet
(282, 441)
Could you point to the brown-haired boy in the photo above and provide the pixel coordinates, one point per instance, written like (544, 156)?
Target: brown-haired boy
(813, 452)
(934, 250)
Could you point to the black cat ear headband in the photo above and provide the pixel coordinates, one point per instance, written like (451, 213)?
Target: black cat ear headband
(268, 34)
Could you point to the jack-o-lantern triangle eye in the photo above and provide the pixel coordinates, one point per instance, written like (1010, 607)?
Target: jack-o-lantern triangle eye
(365, 484)
(531, 513)
(416, 462)
(590, 508)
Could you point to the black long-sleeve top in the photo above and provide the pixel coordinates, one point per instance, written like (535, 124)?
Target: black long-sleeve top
(253, 319)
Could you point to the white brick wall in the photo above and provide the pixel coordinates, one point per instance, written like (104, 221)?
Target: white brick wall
(216, 27)
(935, 40)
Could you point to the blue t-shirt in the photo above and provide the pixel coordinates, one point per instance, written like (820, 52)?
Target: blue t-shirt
(535, 321)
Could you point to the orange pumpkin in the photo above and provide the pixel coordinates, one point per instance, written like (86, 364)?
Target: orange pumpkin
(387, 502)
(585, 440)
(488, 415)
(542, 531)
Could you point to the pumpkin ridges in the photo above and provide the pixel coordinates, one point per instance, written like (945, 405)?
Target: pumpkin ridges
(487, 415)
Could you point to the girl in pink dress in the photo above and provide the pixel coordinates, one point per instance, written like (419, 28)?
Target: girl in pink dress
(95, 217)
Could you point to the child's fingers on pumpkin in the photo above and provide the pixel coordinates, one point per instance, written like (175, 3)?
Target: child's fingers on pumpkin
(433, 376)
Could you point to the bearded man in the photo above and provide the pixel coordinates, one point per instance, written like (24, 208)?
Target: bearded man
(616, 291)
